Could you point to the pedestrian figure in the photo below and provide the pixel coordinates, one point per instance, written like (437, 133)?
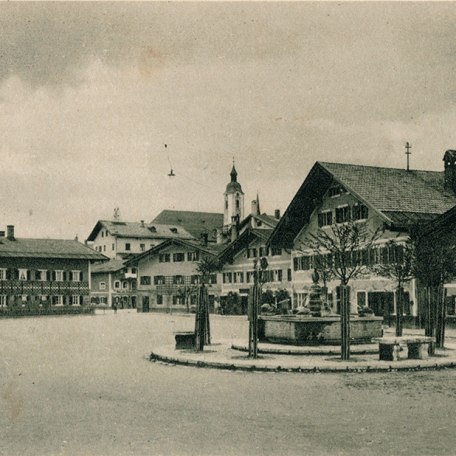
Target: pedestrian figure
(115, 308)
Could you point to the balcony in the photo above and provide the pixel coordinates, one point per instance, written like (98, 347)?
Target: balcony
(39, 287)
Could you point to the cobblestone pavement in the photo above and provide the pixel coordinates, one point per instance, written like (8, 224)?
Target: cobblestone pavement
(83, 385)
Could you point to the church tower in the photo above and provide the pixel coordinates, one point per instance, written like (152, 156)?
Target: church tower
(234, 201)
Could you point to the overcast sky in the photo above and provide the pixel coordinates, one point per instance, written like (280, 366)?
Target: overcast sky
(90, 93)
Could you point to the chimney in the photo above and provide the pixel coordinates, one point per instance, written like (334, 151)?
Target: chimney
(142, 224)
(254, 210)
(277, 214)
(204, 238)
(450, 170)
(10, 232)
(234, 232)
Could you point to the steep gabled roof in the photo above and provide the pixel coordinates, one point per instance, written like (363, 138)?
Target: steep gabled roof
(195, 223)
(139, 230)
(191, 245)
(399, 196)
(48, 248)
(242, 242)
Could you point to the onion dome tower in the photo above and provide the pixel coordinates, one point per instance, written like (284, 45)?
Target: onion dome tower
(234, 200)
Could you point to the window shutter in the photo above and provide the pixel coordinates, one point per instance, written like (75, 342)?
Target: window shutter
(48, 276)
(64, 276)
(29, 274)
(81, 277)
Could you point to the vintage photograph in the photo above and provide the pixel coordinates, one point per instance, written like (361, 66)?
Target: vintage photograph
(227, 228)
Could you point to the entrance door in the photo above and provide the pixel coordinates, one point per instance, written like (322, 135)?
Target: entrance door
(382, 303)
(145, 304)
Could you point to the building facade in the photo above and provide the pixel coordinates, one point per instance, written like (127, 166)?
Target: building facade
(387, 199)
(167, 276)
(43, 273)
(119, 240)
(114, 285)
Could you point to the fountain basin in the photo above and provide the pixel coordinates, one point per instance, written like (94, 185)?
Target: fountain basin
(306, 330)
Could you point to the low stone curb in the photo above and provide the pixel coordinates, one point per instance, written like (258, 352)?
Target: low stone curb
(421, 365)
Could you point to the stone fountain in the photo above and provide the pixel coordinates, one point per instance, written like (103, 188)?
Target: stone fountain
(316, 324)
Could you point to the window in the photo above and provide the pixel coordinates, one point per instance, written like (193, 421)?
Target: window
(3, 302)
(76, 300)
(241, 277)
(2, 274)
(226, 203)
(213, 279)
(325, 218)
(278, 275)
(76, 276)
(275, 251)
(104, 248)
(102, 285)
(193, 256)
(142, 247)
(360, 212)
(173, 230)
(133, 285)
(125, 285)
(159, 280)
(178, 300)
(127, 246)
(336, 190)
(159, 299)
(251, 253)
(117, 284)
(112, 247)
(40, 274)
(145, 280)
(237, 203)
(164, 258)
(178, 280)
(23, 274)
(289, 275)
(133, 270)
(342, 214)
(58, 276)
(178, 257)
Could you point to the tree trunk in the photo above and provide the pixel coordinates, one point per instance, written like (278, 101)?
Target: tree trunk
(441, 314)
(201, 319)
(399, 310)
(253, 305)
(344, 322)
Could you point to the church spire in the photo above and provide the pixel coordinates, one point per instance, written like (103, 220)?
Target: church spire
(233, 173)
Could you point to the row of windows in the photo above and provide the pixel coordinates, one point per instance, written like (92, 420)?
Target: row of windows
(58, 300)
(40, 275)
(343, 214)
(263, 251)
(178, 257)
(275, 275)
(175, 280)
(175, 300)
(371, 257)
(118, 285)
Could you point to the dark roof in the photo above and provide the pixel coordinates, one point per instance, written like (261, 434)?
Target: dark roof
(399, 196)
(48, 248)
(109, 266)
(140, 231)
(242, 242)
(233, 187)
(195, 223)
(397, 190)
(210, 249)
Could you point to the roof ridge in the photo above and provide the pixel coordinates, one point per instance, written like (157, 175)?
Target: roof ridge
(378, 167)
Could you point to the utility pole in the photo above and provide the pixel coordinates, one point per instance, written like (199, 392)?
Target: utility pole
(408, 153)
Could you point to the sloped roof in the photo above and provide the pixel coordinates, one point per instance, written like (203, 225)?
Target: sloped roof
(395, 190)
(47, 248)
(242, 242)
(109, 266)
(140, 231)
(194, 222)
(211, 249)
(399, 196)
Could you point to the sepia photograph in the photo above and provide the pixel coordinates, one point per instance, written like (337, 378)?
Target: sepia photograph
(227, 228)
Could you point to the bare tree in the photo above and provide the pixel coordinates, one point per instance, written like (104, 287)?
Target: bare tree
(398, 266)
(345, 247)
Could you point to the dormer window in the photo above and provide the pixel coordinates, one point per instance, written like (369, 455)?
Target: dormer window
(173, 230)
(342, 214)
(325, 218)
(152, 229)
(360, 212)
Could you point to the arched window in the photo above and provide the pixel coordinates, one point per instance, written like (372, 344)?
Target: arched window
(226, 203)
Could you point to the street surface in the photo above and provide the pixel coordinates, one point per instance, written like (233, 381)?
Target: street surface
(83, 385)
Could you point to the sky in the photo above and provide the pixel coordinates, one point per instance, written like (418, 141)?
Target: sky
(91, 92)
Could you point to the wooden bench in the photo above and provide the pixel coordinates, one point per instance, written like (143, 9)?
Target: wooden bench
(389, 347)
(184, 340)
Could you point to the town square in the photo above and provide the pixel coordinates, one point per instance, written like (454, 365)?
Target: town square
(227, 228)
